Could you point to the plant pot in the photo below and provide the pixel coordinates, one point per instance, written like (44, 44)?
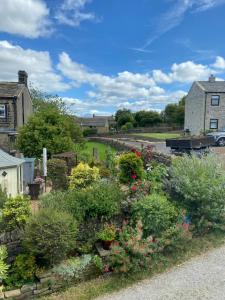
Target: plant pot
(34, 190)
(107, 245)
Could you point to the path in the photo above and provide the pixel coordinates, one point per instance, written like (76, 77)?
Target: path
(199, 279)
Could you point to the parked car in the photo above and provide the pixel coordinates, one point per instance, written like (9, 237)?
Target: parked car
(219, 137)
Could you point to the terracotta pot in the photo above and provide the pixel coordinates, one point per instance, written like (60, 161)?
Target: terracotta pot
(107, 245)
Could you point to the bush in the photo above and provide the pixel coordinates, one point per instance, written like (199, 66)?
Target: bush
(131, 167)
(16, 212)
(3, 266)
(83, 175)
(157, 174)
(3, 197)
(102, 200)
(156, 213)
(199, 187)
(22, 271)
(128, 126)
(50, 236)
(90, 132)
(57, 172)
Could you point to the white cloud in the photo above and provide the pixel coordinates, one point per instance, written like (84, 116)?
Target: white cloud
(185, 72)
(72, 12)
(27, 18)
(219, 63)
(38, 64)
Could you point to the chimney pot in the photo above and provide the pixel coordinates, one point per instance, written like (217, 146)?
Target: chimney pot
(212, 78)
(22, 77)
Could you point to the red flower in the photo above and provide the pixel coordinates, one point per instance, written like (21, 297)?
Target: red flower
(134, 188)
(106, 269)
(138, 154)
(133, 176)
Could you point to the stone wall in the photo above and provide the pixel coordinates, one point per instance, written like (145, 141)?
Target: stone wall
(13, 243)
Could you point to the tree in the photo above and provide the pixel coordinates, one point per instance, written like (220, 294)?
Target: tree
(147, 118)
(124, 116)
(174, 113)
(50, 126)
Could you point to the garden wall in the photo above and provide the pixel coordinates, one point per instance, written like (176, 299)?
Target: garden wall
(13, 243)
(121, 146)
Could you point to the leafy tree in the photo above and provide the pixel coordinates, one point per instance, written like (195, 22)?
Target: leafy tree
(50, 126)
(174, 113)
(124, 116)
(147, 118)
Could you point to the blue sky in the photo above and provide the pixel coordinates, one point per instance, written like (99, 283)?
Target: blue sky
(102, 55)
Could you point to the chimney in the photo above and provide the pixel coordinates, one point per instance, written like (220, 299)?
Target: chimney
(93, 115)
(212, 78)
(22, 77)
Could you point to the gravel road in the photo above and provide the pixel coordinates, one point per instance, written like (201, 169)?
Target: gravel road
(199, 279)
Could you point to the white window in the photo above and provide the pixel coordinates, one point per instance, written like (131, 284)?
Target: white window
(213, 124)
(2, 111)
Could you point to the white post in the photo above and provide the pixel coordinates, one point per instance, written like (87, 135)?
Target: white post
(45, 170)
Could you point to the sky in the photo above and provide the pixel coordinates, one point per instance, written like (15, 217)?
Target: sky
(105, 55)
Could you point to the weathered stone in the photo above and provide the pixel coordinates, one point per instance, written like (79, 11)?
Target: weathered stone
(41, 291)
(27, 288)
(2, 295)
(24, 296)
(46, 274)
(12, 294)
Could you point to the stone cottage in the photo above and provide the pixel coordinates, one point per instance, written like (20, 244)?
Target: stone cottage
(102, 124)
(15, 109)
(205, 106)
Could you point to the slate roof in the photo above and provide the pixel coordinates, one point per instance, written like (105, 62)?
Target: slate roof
(97, 121)
(7, 160)
(212, 87)
(10, 89)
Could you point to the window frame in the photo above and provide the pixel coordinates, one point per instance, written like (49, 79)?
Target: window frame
(213, 120)
(214, 100)
(3, 116)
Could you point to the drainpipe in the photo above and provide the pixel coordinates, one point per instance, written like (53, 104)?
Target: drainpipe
(205, 111)
(15, 112)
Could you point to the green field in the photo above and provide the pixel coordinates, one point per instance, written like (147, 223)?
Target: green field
(88, 149)
(159, 136)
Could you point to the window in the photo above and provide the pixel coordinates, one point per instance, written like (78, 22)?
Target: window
(2, 111)
(213, 123)
(215, 100)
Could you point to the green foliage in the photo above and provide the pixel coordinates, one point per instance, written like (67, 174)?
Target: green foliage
(156, 174)
(174, 113)
(3, 197)
(127, 126)
(108, 233)
(132, 252)
(97, 261)
(82, 176)
(130, 164)
(50, 235)
(16, 212)
(22, 271)
(73, 268)
(124, 116)
(156, 213)
(57, 172)
(90, 132)
(50, 126)
(147, 118)
(3, 266)
(199, 187)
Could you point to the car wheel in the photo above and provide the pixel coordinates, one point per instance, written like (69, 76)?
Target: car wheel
(221, 142)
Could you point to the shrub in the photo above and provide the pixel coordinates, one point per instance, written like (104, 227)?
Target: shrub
(131, 167)
(90, 132)
(3, 266)
(199, 187)
(73, 268)
(156, 174)
(156, 213)
(102, 200)
(132, 252)
(16, 212)
(83, 175)
(50, 236)
(22, 271)
(57, 172)
(3, 197)
(108, 233)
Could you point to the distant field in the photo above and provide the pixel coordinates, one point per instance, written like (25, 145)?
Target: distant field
(159, 136)
(88, 149)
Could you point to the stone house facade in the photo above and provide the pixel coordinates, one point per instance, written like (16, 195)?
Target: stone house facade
(101, 123)
(15, 109)
(205, 106)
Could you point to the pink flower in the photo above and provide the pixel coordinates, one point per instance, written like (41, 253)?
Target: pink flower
(134, 188)
(106, 269)
(133, 176)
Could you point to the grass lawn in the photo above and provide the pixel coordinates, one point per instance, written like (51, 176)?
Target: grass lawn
(160, 136)
(102, 285)
(88, 149)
